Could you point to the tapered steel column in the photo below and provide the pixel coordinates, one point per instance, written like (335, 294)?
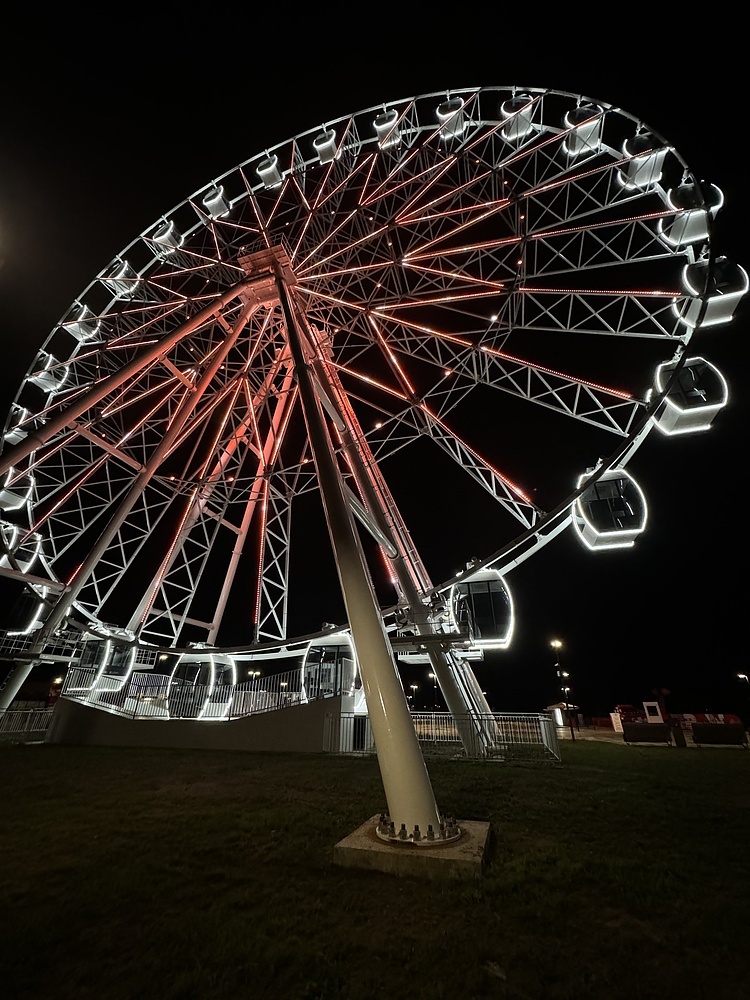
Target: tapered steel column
(407, 785)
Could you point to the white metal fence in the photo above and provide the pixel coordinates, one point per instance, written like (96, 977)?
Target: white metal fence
(499, 736)
(24, 724)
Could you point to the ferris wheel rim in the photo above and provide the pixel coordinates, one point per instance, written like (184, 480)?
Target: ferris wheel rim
(105, 275)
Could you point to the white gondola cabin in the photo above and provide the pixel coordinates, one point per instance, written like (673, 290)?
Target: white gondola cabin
(695, 396)
(22, 547)
(585, 123)
(644, 155)
(201, 686)
(16, 490)
(611, 512)
(51, 378)
(693, 214)
(450, 115)
(482, 605)
(517, 113)
(386, 129)
(329, 669)
(712, 292)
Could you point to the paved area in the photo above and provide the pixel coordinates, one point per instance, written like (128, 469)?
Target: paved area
(610, 736)
(599, 735)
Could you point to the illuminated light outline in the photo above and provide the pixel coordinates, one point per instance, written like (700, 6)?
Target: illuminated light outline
(107, 688)
(300, 271)
(43, 376)
(452, 124)
(211, 685)
(696, 296)
(475, 454)
(688, 215)
(324, 197)
(122, 280)
(324, 194)
(622, 221)
(210, 451)
(620, 393)
(595, 123)
(33, 618)
(463, 342)
(335, 640)
(93, 468)
(385, 125)
(580, 521)
(263, 501)
(468, 296)
(421, 213)
(14, 539)
(370, 381)
(123, 400)
(408, 257)
(614, 293)
(656, 153)
(10, 499)
(94, 686)
(434, 172)
(713, 408)
(279, 438)
(359, 269)
(470, 223)
(497, 286)
(317, 206)
(324, 143)
(390, 356)
(483, 576)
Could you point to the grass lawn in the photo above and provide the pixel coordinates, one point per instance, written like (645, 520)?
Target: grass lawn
(623, 873)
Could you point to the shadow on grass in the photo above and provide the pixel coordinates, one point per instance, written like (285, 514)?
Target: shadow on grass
(621, 873)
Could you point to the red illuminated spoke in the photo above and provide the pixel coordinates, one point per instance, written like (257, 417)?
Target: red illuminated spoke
(478, 296)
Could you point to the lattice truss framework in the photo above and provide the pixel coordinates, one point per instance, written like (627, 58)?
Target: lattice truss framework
(433, 266)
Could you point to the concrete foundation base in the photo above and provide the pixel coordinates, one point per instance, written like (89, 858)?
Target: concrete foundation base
(464, 858)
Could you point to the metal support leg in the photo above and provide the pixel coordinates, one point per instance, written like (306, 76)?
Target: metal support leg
(411, 802)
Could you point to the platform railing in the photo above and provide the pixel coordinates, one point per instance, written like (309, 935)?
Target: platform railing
(146, 695)
(24, 724)
(518, 736)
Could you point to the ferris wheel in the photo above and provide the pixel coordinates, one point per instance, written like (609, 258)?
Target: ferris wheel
(491, 293)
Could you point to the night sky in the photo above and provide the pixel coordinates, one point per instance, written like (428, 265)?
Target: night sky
(108, 140)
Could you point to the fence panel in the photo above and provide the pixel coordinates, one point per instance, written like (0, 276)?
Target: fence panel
(503, 737)
(24, 724)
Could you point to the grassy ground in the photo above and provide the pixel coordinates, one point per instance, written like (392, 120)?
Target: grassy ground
(623, 873)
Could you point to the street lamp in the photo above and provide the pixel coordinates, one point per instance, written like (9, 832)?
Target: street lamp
(557, 646)
(414, 688)
(743, 677)
(433, 678)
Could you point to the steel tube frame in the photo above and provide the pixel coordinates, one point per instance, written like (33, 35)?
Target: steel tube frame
(14, 681)
(97, 392)
(382, 507)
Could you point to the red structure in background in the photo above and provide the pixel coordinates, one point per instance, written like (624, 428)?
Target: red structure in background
(634, 713)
